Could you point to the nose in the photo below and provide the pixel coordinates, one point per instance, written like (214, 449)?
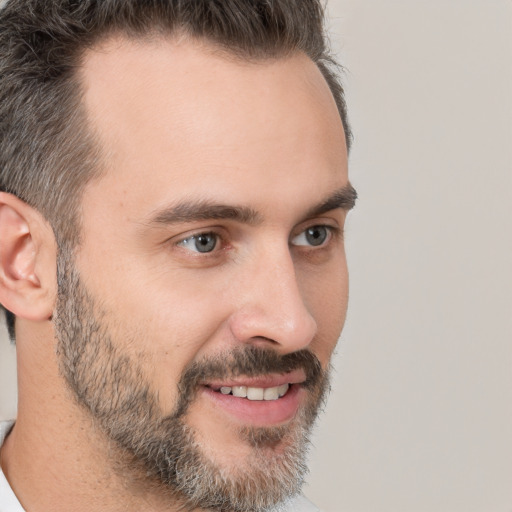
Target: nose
(270, 308)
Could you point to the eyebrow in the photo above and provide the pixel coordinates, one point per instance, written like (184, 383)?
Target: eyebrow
(192, 211)
(344, 198)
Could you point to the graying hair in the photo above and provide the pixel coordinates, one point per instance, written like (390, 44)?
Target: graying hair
(47, 153)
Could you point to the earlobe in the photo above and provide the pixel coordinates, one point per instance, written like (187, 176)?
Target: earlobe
(26, 286)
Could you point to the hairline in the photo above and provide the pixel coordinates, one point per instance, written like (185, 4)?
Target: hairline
(179, 36)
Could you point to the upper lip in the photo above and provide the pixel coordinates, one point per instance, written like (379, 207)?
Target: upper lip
(261, 381)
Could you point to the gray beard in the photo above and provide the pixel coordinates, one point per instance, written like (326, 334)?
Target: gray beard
(161, 450)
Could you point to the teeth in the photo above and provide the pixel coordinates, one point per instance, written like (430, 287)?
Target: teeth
(240, 391)
(283, 389)
(256, 393)
(271, 394)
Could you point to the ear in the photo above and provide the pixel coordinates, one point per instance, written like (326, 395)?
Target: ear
(27, 260)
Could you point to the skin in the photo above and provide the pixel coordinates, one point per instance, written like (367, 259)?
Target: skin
(179, 123)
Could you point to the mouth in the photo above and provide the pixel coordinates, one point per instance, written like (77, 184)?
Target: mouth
(254, 393)
(258, 401)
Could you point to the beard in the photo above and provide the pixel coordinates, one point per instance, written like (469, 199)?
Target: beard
(161, 450)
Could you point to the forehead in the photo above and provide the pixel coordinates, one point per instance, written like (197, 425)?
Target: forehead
(178, 111)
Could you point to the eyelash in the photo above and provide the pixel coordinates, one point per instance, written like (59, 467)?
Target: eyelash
(195, 237)
(331, 233)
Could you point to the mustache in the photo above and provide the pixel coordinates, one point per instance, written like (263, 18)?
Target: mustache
(248, 361)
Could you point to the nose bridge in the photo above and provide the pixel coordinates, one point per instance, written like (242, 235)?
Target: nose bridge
(273, 306)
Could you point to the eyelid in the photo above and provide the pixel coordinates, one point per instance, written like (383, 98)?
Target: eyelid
(223, 238)
(188, 236)
(332, 231)
(184, 242)
(178, 241)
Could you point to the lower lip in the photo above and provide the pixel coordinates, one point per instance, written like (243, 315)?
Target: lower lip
(259, 412)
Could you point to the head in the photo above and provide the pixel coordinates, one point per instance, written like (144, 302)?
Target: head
(189, 161)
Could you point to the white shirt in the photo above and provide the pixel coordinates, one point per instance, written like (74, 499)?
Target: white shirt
(9, 502)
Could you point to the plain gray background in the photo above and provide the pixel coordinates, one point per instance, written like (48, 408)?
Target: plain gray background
(420, 418)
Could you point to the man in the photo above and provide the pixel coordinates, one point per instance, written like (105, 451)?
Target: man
(174, 189)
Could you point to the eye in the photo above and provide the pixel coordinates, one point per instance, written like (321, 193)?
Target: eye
(312, 236)
(202, 242)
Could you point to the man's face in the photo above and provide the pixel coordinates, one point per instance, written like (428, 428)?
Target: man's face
(212, 260)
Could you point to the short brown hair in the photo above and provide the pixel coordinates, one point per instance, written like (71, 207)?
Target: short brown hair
(47, 154)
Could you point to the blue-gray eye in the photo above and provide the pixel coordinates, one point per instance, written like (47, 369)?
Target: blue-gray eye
(204, 242)
(313, 236)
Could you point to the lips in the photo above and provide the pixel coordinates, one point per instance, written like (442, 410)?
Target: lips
(261, 381)
(261, 401)
(254, 393)
(252, 373)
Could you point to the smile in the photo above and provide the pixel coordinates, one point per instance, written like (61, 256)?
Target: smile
(254, 393)
(258, 401)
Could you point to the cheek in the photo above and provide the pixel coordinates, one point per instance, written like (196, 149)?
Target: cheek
(183, 328)
(326, 296)
(163, 326)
